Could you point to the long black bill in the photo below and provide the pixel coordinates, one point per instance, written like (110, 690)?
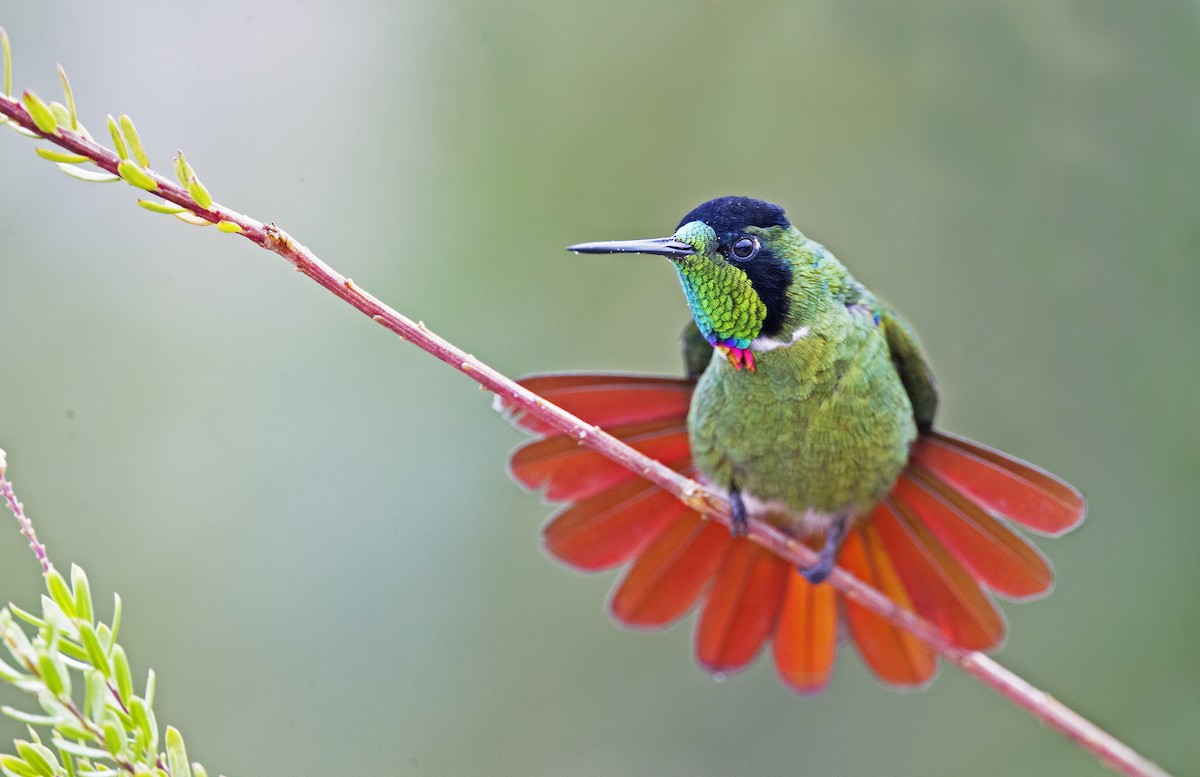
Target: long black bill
(662, 246)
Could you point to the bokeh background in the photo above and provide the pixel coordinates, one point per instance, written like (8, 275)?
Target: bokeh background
(310, 521)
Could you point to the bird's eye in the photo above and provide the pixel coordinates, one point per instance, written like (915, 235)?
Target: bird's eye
(744, 248)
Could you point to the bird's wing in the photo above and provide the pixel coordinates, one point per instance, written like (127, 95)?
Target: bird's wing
(910, 363)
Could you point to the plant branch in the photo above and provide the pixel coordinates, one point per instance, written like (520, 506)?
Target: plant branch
(18, 511)
(1039, 704)
(112, 724)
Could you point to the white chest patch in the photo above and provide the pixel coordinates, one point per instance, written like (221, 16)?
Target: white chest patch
(770, 344)
(809, 523)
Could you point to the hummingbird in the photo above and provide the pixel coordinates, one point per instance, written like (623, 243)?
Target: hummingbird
(810, 404)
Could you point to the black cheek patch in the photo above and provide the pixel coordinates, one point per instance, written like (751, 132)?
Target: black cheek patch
(771, 278)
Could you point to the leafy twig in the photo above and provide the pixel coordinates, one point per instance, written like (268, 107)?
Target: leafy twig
(194, 204)
(114, 730)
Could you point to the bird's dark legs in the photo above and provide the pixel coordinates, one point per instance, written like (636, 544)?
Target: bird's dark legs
(828, 556)
(741, 521)
(827, 559)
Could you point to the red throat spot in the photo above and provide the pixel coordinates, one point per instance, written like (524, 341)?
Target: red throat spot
(738, 357)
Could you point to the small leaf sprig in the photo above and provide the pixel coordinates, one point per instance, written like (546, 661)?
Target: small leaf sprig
(127, 161)
(91, 722)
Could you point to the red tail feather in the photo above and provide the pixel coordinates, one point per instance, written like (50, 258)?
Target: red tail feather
(990, 550)
(606, 400)
(895, 656)
(929, 545)
(742, 608)
(669, 576)
(941, 591)
(610, 528)
(1001, 483)
(805, 640)
(570, 472)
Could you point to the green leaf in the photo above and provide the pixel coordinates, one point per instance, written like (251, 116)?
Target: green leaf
(191, 218)
(114, 737)
(68, 728)
(229, 227)
(49, 670)
(199, 193)
(134, 140)
(119, 717)
(93, 771)
(22, 131)
(7, 61)
(16, 640)
(35, 757)
(83, 751)
(91, 176)
(83, 593)
(41, 114)
(183, 171)
(72, 650)
(28, 718)
(153, 728)
(28, 617)
(10, 675)
(15, 767)
(104, 634)
(61, 114)
(198, 770)
(54, 708)
(96, 697)
(55, 155)
(141, 718)
(95, 652)
(151, 685)
(116, 619)
(121, 673)
(70, 98)
(136, 176)
(52, 613)
(69, 763)
(60, 593)
(154, 206)
(177, 762)
(118, 141)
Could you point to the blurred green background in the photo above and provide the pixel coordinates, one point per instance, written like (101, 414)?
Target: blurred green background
(310, 521)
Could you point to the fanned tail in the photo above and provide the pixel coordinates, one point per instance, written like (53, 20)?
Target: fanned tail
(936, 545)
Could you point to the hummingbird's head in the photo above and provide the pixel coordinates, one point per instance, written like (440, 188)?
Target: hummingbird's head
(731, 259)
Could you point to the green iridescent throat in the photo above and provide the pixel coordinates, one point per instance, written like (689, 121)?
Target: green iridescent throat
(724, 304)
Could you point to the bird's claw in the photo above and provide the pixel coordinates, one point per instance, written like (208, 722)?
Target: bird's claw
(819, 571)
(827, 558)
(740, 524)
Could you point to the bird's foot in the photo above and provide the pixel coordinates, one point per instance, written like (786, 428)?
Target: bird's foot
(827, 558)
(740, 526)
(820, 570)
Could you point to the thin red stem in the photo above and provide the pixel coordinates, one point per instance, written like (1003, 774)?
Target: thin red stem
(1038, 703)
(18, 510)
